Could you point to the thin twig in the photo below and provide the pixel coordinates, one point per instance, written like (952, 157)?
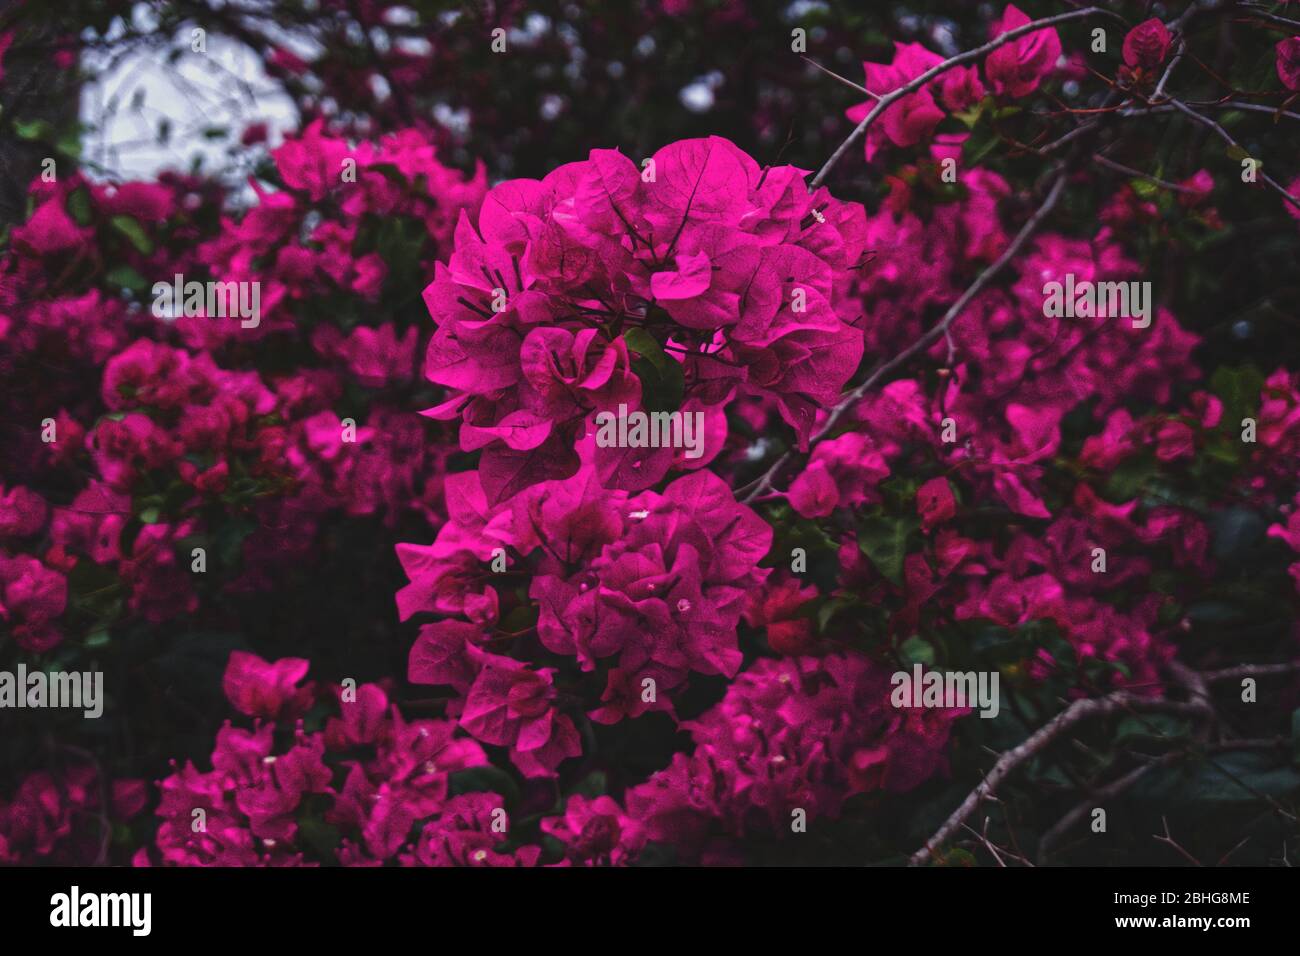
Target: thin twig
(1262, 13)
(1168, 839)
(1169, 71)
(1224, 135)
(843, 79)
(1165, 107)
(1109, 163)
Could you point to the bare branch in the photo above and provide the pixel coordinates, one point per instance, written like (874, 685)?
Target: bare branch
(1036, 742)
(1250, 670)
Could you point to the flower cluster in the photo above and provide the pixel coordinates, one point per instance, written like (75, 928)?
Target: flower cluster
(697, 279)
(802, 734)
(639, 589)
(65, 818)
(159, 435)
(374, 786)
(796, 734)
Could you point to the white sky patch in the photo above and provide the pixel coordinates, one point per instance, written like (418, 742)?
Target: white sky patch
(131, 95)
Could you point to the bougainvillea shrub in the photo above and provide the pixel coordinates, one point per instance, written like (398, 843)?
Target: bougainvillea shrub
(433, 484)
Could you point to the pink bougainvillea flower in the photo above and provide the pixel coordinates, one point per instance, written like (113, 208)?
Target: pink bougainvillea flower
(813, 494)
(464, 834)
(961, 88)
(596, 832)
(50, 230)
(1293, 190)
(32, 597)
(1017, 67)
(935, 502)
(1288, 62)
(22, 512)
(1146, 45)
(312, 162)
(789, 632)
(511, 704)
(57, 818)
(914, 117)
(261, 689)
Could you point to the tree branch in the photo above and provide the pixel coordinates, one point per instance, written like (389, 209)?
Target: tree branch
(1250, 670)
(1078, 711)
(888, 99)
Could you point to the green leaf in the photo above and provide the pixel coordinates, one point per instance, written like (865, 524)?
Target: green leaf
(1235, 778)
(322, 837)
(127, 278)
(594, 785)
(917, 650)
(38, 129)
(484, 780)
(662, 381)
(829, 609)
(79, 206)
(972, 116)
(883, 539)
(645, 345)
(1127, 480)
(95, 589)
(389, 171)
(1143, 187)
(69, 144)
(1142, 730)
(228, 541)
(1237, 154)
(134, 232)
(1239, 389)
(982, 140)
